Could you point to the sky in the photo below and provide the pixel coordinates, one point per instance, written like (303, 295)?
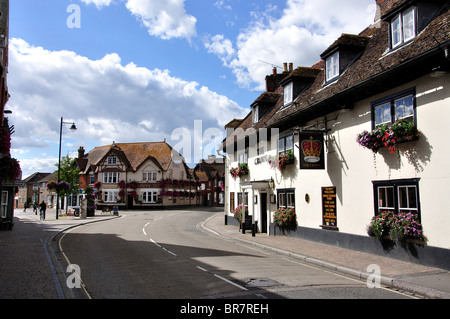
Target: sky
(129, 71)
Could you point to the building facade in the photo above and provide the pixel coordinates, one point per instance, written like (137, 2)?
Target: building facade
(137, 176)
(353, 136)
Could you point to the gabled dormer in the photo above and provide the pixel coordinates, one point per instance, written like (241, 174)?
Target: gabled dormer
(341, 54)
(263, 104)
(408, 18)
(296, 82)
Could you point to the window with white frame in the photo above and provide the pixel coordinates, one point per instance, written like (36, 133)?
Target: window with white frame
(394, 107)
(403, 27)
(286, 198)
(150, 196)
(332, 67)
(285, 144)
(397, 196)
(149, 176)
(110, 195)
(243, 157)
(288, 94)
(4, 205)
(111, 160)
(111, 177)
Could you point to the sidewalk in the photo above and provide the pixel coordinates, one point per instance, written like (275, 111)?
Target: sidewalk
(426, 281)
(27, 269)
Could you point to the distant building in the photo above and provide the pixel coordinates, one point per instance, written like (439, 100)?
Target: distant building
(137, 176)
(211, 175)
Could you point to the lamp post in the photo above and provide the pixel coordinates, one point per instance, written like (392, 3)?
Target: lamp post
(72, 128)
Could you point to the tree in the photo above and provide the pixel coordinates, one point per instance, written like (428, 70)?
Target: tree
(70, 174)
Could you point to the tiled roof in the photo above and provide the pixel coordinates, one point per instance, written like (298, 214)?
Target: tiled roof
(135, 154)
(377, 62)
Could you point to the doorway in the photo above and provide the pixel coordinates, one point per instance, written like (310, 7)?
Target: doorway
(263, 207)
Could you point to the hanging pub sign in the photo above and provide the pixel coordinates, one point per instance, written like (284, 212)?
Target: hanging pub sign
(329, 215)
(312, 155)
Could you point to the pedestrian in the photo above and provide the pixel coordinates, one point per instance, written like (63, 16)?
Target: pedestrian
(43, 208)
(35, 208)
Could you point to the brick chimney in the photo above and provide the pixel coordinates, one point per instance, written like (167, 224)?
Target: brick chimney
(273, 80)
(81, 152)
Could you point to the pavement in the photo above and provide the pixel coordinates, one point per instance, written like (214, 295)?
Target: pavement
(29, 267)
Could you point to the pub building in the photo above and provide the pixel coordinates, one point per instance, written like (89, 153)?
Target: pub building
(353, 136)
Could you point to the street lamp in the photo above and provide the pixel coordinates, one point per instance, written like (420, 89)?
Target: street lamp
(72, 128)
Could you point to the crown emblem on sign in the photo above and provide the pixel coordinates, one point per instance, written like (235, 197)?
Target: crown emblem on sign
(311, 150)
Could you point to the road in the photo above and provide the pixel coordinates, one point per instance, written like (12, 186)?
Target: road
(168, 254)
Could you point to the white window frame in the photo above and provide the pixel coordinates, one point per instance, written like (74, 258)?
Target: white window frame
(110, 195)
(150, 176)
(4, 204)
(255, 114)
(111, 160)
(288, 94)
(150, 196)
(332, 67)
(111, 177)
(399, 35)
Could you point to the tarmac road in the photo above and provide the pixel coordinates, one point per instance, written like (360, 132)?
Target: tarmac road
(168, 254)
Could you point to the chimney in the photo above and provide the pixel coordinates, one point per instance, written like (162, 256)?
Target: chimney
(285, 67)
(274, 71)
(291, 67)
(81, 152)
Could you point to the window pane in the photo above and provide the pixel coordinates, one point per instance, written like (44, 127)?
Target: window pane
(386, 198)
(289, 142)
(403, 197)
(408, 25)
(412, 196)
(396, 31)
(382, 114)
(290, 200)
(281, 145)
(332, 66)
(404, 107)
(287, 94)
(282, 199)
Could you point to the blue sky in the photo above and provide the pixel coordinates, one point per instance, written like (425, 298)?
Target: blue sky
(145, 70)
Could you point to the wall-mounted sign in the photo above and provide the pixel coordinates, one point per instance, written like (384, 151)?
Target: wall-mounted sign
(312, 153)
(329, 215)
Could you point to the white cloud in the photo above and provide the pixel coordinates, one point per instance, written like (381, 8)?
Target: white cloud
(164, 19)
(108, 101)
(303, 31)
(98, 3)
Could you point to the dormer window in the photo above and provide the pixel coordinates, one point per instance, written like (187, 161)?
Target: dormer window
(403, 27)
(255, 114)
(287, 94)
(332, 67)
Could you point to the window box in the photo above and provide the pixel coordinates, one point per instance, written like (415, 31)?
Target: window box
(239, 171)
(282, 160)
(386, 135)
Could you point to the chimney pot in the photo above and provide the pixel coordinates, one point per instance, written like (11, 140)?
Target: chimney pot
(285, 67)
(291, 67)
(274, 70)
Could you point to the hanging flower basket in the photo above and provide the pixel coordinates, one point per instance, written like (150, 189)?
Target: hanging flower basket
(5, 140)
(389, 136)
(239, 171)
(9, 168)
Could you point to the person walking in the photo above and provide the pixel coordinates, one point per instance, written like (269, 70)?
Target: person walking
(35, 208)
(42, 209)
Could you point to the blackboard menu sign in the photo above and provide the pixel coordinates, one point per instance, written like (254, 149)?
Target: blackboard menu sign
(232, 202)
(329, 215)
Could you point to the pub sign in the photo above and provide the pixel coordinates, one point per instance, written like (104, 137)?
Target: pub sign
(312, 152)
